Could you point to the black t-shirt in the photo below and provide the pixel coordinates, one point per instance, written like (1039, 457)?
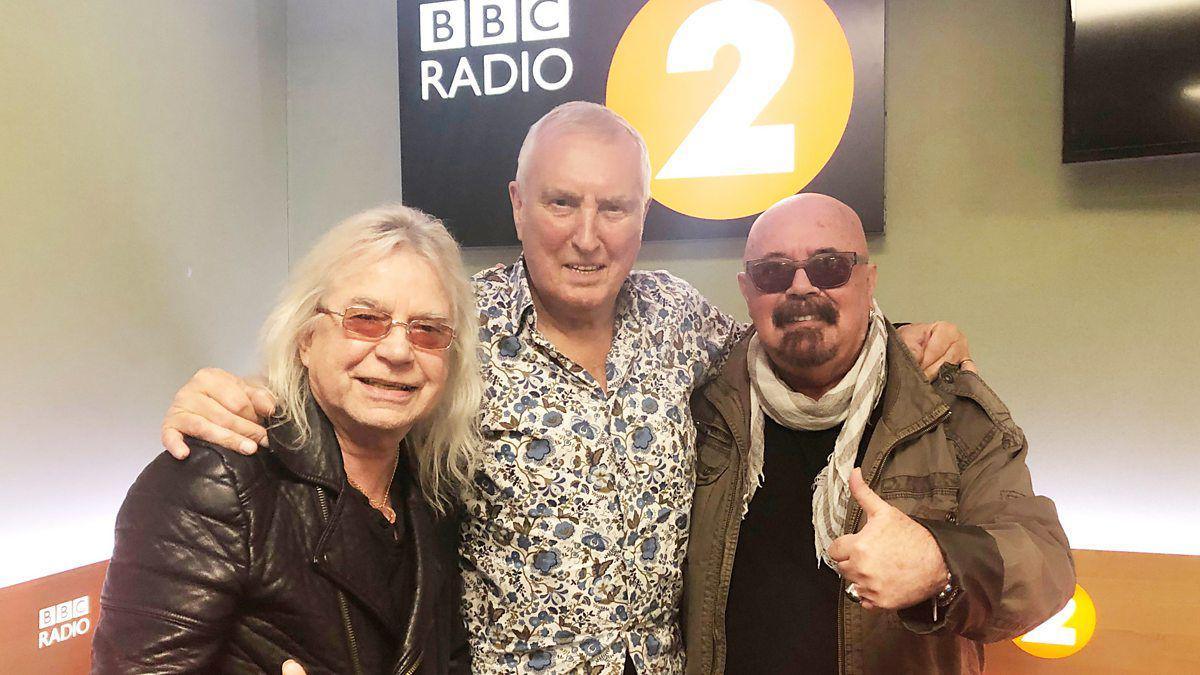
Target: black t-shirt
(398, 565)
(782, 611)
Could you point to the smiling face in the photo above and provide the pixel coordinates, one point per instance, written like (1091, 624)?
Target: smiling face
(373, 391)
(579, 209)
(812, 335)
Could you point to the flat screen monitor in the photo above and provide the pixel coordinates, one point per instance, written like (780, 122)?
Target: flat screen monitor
(1131, 79)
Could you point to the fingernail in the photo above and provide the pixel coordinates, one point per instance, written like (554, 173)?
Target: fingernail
(247, 447)
(263, 441)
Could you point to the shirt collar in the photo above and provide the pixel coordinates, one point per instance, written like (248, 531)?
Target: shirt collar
(522, 312)
(521, 301)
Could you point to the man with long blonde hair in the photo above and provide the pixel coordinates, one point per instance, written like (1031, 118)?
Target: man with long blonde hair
(327, 547)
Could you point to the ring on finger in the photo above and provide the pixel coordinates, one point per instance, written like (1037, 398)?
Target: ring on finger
(852, 593)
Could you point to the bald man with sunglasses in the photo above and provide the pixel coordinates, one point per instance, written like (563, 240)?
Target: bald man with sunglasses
(850, 516)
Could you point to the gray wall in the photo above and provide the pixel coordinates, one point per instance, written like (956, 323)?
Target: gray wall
(1075, 284)
(143, 197)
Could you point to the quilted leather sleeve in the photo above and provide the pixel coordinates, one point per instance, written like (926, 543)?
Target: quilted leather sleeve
(179, 565)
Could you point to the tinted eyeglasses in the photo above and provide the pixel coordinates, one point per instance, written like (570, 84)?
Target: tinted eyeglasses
(824, 270)
(372, 324)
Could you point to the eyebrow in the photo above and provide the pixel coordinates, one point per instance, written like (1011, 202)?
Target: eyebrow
(623, 203)
(819, 251)
(550, 194)
(361, 301)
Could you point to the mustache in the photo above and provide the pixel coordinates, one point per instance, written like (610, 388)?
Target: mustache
(791, 310)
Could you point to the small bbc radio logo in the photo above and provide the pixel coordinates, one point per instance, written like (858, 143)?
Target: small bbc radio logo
(63, 621)
(453, 25)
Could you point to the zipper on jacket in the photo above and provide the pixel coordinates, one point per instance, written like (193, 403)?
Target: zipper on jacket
(737, 498)
(411, 669)
(841, 620)
(343, 606)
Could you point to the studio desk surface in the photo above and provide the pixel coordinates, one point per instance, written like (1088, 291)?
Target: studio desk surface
(1147, 620)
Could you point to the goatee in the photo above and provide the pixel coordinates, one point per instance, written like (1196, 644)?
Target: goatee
(805, 346)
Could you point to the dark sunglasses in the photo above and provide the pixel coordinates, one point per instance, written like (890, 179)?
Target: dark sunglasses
(824, 270)
(372, 324)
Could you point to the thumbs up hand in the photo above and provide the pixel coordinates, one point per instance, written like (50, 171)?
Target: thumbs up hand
(893, 561)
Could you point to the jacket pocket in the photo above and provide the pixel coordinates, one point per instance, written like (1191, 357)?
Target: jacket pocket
(931, 495)
(714, 452)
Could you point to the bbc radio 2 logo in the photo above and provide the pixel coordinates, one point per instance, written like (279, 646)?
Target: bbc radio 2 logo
(63, 621)
(454, 25)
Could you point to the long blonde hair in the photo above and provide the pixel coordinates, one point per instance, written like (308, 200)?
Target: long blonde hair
(445, 441)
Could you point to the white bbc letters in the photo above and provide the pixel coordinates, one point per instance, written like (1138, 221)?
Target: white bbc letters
(490, 88)
(568, 68)
(493, 22)
(546, 20)
(443, 25)
(452, 24)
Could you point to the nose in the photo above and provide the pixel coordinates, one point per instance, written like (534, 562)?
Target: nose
(586, 237)
(801, 286)
(395, 347)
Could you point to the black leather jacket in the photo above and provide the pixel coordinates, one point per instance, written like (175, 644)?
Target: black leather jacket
(228, 563)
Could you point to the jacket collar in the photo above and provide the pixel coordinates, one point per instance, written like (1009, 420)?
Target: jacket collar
(909, 404)
(317, 460)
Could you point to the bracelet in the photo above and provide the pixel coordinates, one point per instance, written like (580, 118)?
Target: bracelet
(945, 596)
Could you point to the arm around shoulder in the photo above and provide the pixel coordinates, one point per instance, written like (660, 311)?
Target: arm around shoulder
(179, 566)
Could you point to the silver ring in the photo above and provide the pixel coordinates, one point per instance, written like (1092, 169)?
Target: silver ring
(852, 593)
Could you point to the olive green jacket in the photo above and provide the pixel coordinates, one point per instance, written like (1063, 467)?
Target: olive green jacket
(949, 455)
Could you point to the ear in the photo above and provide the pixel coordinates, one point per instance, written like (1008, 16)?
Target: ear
(514, 196)
(872, 275)
(304, 343)
(746, 286)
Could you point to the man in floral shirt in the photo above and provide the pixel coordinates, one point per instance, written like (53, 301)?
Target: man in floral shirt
(576, 531)
(576, 537)
(576, 534)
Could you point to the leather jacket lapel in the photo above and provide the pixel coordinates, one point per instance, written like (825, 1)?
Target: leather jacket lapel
(428, 571)
(350, 555)
(347, 553)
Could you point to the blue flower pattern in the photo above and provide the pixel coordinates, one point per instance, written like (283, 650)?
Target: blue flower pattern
(573, 542)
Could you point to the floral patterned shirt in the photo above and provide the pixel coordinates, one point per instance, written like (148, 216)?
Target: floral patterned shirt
(573, 544)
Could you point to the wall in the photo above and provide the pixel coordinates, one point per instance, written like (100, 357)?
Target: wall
(143, 193)
(1073, 283)
(149, 151)
(343, 129)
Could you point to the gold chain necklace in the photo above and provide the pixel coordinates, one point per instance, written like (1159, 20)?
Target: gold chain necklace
(383, 505)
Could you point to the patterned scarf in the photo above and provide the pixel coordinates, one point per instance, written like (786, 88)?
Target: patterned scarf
(850, 401)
